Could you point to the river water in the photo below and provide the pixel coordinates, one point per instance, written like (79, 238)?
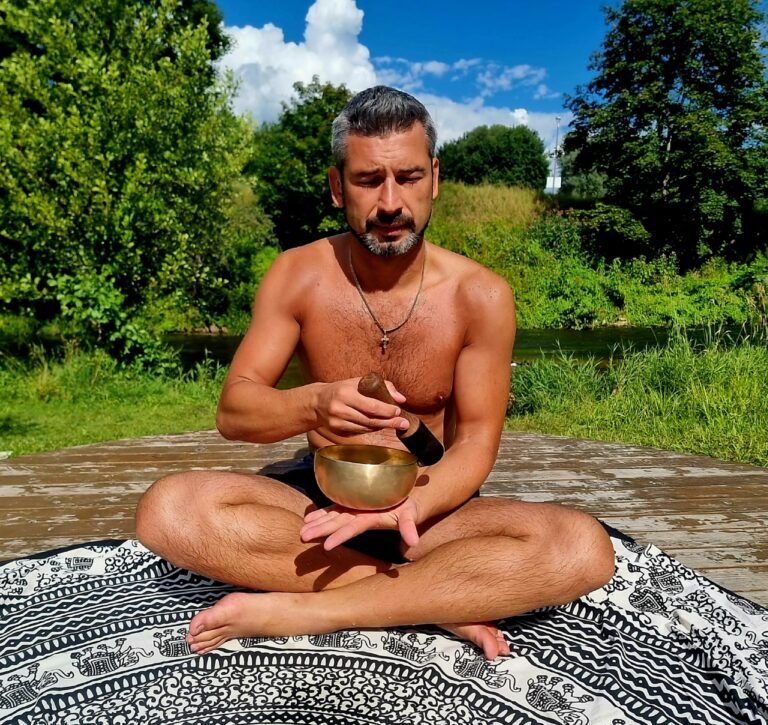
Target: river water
(601, 344)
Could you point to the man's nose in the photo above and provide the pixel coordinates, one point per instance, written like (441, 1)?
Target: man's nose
(390, 202)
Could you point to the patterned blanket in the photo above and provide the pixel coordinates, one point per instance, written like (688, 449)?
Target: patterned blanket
(94, 635)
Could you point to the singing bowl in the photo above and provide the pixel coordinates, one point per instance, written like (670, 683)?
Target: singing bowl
(363, 477)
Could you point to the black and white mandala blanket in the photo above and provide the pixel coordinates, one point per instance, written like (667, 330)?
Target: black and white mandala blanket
(94, 635)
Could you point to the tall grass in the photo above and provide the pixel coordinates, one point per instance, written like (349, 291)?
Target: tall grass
(699, 398)
(47, 404)
(466, 205)
(708, 400)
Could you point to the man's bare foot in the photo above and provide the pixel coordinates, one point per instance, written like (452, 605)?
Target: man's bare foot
(279, 614)
(486, 636)
(247, 615)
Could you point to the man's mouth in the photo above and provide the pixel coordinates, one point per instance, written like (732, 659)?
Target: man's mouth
(392, 227)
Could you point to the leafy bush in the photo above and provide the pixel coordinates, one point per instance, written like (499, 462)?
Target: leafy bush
(496, 155)
(250, 247)
(560, 234)
(655, 293)
(563, 293)
(609, 231)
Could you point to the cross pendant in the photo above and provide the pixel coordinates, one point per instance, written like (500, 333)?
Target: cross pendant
(384, 342)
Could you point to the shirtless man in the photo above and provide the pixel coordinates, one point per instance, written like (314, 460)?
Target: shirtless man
(440, 328)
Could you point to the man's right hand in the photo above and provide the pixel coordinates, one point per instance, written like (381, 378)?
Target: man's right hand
(344, 411)
(337, 524)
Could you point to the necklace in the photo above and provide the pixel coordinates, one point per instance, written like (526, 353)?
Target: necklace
(384, 342)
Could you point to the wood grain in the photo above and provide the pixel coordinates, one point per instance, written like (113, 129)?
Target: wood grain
(709, 514)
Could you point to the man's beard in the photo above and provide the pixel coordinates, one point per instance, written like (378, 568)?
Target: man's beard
(391, 249)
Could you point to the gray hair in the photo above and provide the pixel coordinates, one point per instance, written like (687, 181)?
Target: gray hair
(380, 111)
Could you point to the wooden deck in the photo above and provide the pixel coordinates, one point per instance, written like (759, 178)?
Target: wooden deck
(709, 514)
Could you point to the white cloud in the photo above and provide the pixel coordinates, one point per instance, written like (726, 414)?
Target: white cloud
(543, 92)
(496, 78)
(409, 76)
(433, 67)
(465, 64)
(267, 66)
(401, 73)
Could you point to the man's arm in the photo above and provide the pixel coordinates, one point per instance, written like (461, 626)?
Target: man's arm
(481, 395)
(251, 408)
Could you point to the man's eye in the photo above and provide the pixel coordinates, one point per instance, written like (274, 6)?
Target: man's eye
(368, 182)
(409, 179)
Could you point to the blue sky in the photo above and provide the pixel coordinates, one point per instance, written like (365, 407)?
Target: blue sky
(503, 62)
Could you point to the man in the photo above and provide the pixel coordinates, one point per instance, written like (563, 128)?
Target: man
(440, 328)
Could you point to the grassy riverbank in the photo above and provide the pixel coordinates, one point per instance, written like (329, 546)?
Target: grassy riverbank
(707, 400)
(86, 398)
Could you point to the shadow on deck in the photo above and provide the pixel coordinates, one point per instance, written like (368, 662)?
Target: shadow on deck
(709, 514)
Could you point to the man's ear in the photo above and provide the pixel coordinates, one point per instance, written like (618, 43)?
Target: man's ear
(435, 177)
(337, 192)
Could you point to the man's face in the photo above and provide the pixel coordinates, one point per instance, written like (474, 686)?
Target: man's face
(387, 189)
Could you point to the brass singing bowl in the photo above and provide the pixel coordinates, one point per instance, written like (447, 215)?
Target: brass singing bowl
(366, 478)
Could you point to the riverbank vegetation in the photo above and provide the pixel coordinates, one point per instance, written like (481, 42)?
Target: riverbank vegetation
(697, 399)
(559, 281)
(539, 248)
(700, 398)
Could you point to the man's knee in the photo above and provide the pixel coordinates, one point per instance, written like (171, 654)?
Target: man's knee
(163, 507)
(592, 550)
(573, 547)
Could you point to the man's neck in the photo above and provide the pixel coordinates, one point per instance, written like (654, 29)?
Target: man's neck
(380, 273)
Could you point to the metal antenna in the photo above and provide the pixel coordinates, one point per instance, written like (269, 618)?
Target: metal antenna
(554, 154)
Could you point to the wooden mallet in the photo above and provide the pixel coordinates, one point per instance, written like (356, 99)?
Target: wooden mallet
(418, 438)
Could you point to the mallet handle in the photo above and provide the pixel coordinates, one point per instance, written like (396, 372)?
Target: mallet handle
(372, 385)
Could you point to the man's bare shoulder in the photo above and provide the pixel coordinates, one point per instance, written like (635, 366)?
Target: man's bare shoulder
(303, 266)
(305, 257)
(475, 284)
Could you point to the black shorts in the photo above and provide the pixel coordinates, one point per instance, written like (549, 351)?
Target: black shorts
(382, 544)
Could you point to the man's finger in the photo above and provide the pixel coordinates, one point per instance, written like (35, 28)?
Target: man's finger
(408, 531)
(397, 396)
(324, 527)
(345, 533)
(318, 514)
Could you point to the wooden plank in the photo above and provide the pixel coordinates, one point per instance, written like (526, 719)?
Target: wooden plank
(709, 514)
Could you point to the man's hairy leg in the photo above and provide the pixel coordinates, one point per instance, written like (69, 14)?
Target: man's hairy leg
(243, 530)
(490, 560)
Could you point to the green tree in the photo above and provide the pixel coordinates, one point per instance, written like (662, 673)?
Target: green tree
(118, 152)
(674, 116)
(496, 155)
(186, 13)
(290, 164)
(579, 183)
(192, 13)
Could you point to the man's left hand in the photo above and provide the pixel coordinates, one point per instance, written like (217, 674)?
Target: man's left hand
(339, 524)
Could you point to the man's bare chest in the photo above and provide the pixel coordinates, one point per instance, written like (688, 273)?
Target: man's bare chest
(341, 340)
